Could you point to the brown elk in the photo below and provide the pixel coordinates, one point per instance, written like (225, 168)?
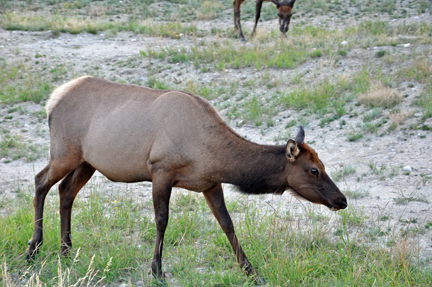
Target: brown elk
(173, 139)
(284, 15)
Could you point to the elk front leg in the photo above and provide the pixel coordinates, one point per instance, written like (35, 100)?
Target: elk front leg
(161, 196)
(237, 25)
(68, 189)
(216, 202)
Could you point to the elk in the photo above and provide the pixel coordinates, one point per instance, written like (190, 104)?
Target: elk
(284, 15)
(173, 139)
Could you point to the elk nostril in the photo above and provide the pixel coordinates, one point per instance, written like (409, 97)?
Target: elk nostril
(343, 203)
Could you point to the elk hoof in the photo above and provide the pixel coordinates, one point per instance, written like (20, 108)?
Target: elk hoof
(65, 250)
(31, 253)
(33, 249)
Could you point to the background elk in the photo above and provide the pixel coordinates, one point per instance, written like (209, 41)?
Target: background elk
(173, 139)
(284, 14)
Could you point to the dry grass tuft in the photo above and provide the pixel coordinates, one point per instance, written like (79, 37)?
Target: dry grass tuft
(97, 11)
(209, 10)
(399, 117)
(403, 253)
(380, 96)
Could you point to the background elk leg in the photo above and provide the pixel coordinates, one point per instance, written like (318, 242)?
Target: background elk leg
(216, 202)
(68, 189)
(237, 25)
(257, 15)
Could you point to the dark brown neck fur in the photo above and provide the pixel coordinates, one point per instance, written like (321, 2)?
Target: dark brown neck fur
(256, 169)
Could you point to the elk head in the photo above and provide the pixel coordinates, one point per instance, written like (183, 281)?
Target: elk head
(307, 177)
(284, 13)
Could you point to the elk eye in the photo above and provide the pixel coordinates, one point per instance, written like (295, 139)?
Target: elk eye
(314, 171)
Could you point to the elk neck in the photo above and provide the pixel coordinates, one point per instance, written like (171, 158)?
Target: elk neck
(253, 168)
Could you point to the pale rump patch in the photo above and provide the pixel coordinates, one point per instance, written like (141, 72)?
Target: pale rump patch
(60, 92)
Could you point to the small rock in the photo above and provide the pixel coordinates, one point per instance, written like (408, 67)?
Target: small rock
(407, 168)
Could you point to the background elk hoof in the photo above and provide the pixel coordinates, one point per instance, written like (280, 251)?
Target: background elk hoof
(259, 280)
(160, 282)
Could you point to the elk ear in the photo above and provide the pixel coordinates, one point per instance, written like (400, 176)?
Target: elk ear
(291, 3)
(292, 150)
(299, 139)
(276, 3)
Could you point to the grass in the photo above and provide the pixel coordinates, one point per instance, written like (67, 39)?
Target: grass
(356, 194)
(318, 98)
(425, 101)
(380, 96)
(114, 235)
(403, 199)
(75, 25)
(14, 147)
(20, 83)
(229, 55)
(343, 172)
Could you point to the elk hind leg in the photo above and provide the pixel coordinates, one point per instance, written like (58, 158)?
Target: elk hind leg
(44, 180)
(161, 195)
(215, 200)
(68, 190)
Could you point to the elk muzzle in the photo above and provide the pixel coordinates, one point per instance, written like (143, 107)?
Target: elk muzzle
(340, 203)
(284, 25)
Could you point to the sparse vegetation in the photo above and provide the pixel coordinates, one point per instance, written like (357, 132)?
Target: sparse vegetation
(344, 171)
(403, 199)
(19, 83)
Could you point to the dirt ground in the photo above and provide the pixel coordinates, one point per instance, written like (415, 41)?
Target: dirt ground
(406, 155)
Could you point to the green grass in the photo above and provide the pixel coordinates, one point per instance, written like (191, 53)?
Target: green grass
(343, 172)
(20, 84)
(14, 147)
(403, 199)
(230, 55)
(318, 98)
(425, 101)
(114, 236)
(75, 25)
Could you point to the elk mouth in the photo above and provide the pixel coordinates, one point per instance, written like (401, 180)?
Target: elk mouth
(332, 208)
